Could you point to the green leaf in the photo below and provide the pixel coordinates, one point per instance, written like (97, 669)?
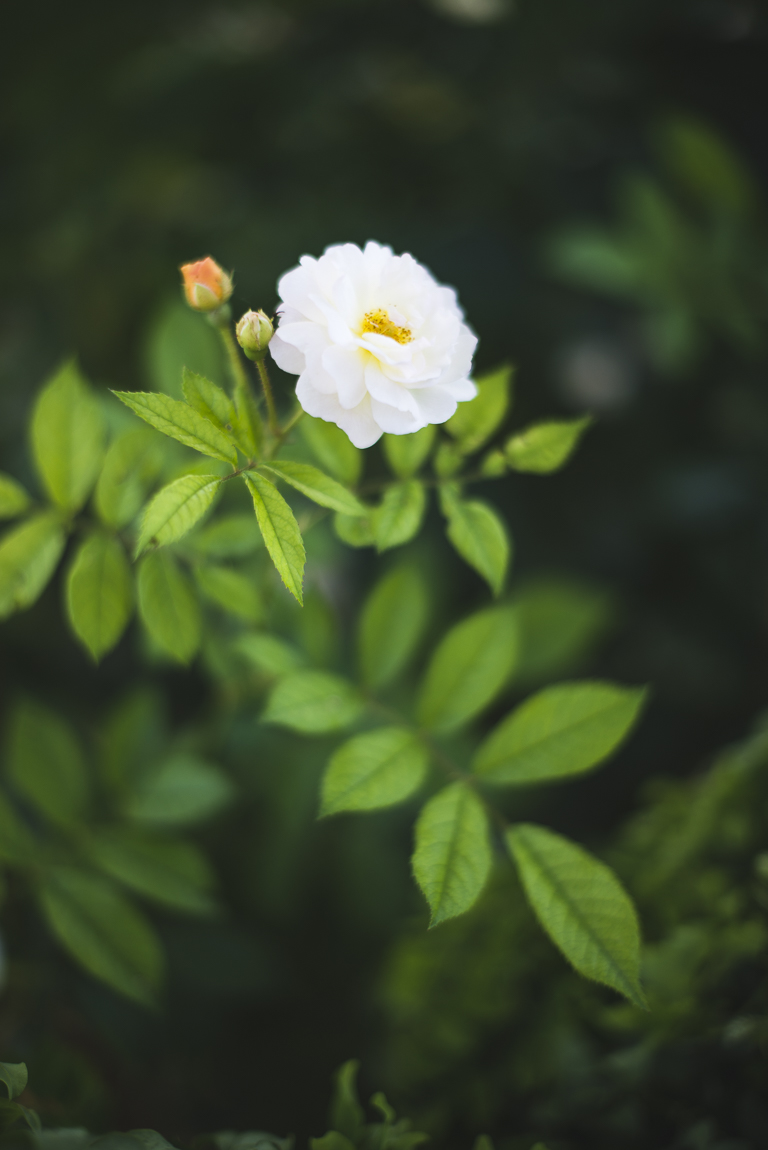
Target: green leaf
(68, 438)
(176, 509)
(131, 464)
(353, 531)
(170, 871)
(178, 792)
(28, 557)
(14, 1075)
(405, 454)
(706, 166)
(392, 623)
(563, 730)
(376, 769)
(333, 1140)
(279, 530)
(452, 858)
(180, 421)
(347, 1115)
(46, 765)
(479, 536)
(103, 931)
(476, 420)
(593, 257)
(269, 653)
(14, 500)
(168, 606)
(582, 907)
(545, 447)
(317, 487)
(231, 590)
(398, 517)
(229, 537)
(561, 620)
(469, 668)
(332, 449)
(313, 702)
(209, 400)
(248, 424)
(17, 843)
(100, 593)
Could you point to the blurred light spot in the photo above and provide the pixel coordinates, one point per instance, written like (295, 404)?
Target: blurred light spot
(597, 375)
(474, 11)
(702, 495)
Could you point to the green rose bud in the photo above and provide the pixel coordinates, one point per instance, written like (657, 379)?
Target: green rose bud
(254, 330)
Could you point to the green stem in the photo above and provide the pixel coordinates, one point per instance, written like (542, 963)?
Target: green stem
(266, 384)
(236, 365)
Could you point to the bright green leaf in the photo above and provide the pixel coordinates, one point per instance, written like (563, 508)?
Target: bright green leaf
(168, 606)
(269, 653)
(248, 425)
(209, 400)
(563, 730)
(469, 668)
(100, 592)
(68, 438)
(311, 482)
(28, 557)
(14, 1077)
(476, 420)
(46, 765)
(14, 500)
(479, 536)
(582, 907)
(452, 858)
(231, 590)
(313, 702)
(180, 421)
(131, 464)
(376, 769)
(228, 537)
(279, 530)
(332, 449)
(179, 791)
(103, 931)
(170, 871)
(405, 454)
(545, 447)
(176, 509)
(398, 517)
(392, 622)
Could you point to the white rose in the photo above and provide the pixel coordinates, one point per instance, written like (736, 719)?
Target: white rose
(377, 344)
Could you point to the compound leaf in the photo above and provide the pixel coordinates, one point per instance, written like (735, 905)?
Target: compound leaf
(313, 702)
(100, 593)
(279, 530)
(405, 454)
(470, 666)
(582, 907)
(452, 858)
(179, 791)
(168, 606)
(230, 590)
(476, 420)
(320, 488)
(180, 421)
(170, 871)
(376, 769)
(132, 462)
(28, 557)
(563, 730)
(14, 500)
(209, 400)
(46, 764)
(545, 447)
(479, 536)
(176, 509)
(103, 931)
(392, 622)
(68, 438)
(398, 517)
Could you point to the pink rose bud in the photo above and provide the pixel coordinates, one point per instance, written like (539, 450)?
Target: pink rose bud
(254, 331)
(206, 285)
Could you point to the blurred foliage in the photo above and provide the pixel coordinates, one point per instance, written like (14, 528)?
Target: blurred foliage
(480, 135)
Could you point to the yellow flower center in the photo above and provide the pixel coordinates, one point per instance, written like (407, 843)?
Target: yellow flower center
(380, 323)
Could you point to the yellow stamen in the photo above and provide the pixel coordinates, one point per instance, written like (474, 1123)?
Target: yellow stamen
(380, 323)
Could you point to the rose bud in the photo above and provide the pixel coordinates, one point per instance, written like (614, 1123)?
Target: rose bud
(254, 331)
(206, 285)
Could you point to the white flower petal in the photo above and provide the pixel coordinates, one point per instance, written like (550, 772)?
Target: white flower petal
(286, 356)
(347, 367)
